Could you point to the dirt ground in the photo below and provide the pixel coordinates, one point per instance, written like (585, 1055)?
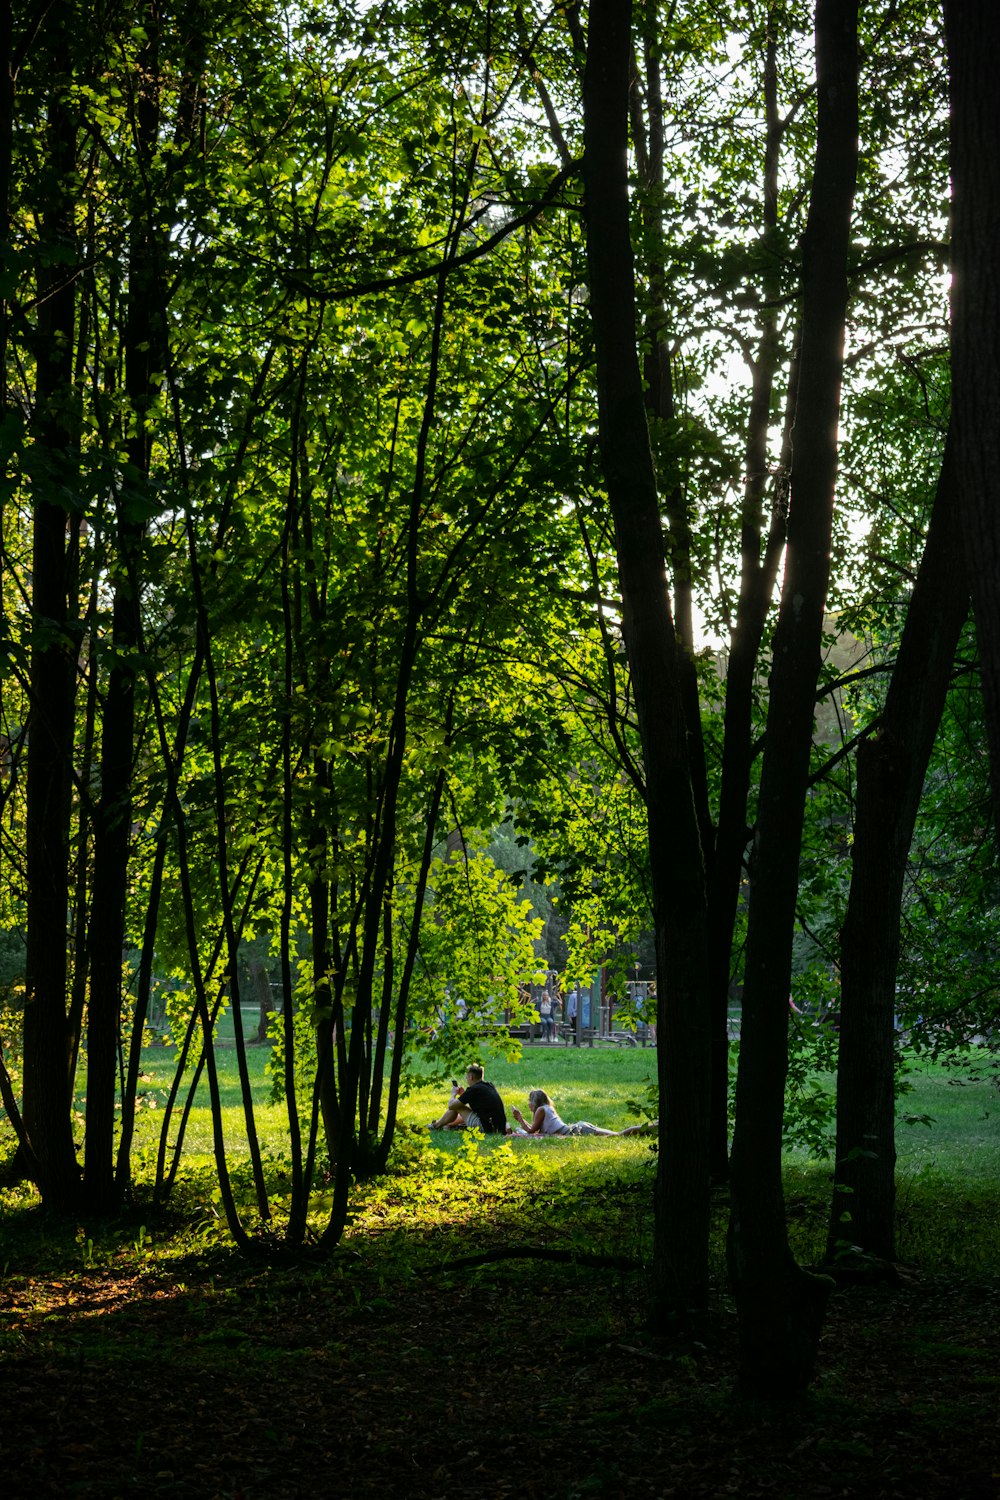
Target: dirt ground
(518, 1380)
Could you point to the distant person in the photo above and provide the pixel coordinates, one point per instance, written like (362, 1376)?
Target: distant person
(545, 1121)
(477, 1106)
(573, 1013)
(545, 1013)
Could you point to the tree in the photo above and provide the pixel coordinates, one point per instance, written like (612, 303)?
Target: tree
(779, 1305)
(676, 859)
(155, 188)
(892, 765)
(49, 1049)
(318, 401)
(404, 534)
(972, 32)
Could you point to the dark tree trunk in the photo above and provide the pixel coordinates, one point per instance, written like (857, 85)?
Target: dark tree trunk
(53, 669)
(409, 963)
(780, 1307)
(144, 357)
(7, 76)
(255, 986)
(973, 35)
(758, 571)
(891, 770)
(661, 406)
(677, 866)
(265, 999)
(123, 1168)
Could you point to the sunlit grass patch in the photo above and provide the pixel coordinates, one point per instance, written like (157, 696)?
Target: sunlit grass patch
(594, 1192)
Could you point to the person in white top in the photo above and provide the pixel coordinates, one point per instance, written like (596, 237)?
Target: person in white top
(545, 1121)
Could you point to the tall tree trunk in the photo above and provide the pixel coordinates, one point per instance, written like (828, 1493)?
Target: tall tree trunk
(677, 866)
(661, 406)
(7, 75)
(123, 1166)
(144, 357)
(53, 664)
(891, 770)
(780, 1307)
(973, 34)
(758, 572)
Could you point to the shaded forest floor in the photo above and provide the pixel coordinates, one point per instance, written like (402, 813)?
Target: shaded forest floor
(222, 1381)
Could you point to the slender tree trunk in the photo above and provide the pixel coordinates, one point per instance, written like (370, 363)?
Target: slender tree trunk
(123, 1168)
(258, 985)
(973, 34)
(677, 865)
(144, 357)
(53, 666)
(6, 170)
(780, 1307)
(891, 770)
(409, 964)
(758, 573)
(661, 406)
(354, 1080)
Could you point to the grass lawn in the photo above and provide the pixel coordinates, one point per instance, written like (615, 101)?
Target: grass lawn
(948, 1121)
(143, 1357)
(598, 1084)
(962, 1138)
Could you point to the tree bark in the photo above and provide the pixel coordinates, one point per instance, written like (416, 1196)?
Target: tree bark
(972, 29)
(661, 406)
(144, 358)
(758, 572)
(891, 769)
(53, 666)
(780, 1307)
(677, 864)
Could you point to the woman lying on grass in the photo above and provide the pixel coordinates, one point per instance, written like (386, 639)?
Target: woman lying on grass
(545, 1121)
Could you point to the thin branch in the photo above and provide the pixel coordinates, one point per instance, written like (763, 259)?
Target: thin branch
(448, 263)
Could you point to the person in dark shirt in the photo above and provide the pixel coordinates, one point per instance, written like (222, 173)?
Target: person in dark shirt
(477, 1106)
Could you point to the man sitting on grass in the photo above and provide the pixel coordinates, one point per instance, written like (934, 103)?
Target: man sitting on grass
(476, 1107)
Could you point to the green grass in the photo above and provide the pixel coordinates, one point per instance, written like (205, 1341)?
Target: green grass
(947, 1168)
(585, 1083)
(604, 1085)
(158, 1066)
(155, 1305)
(947, 1120)
(963, 1136)
(948, 1130)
